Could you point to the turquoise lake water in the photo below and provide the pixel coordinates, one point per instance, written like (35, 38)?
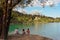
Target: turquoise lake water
(51, 30)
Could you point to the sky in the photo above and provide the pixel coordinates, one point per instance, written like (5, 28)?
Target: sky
(47, 10)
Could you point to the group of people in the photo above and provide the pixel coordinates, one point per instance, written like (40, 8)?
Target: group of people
(23, 31)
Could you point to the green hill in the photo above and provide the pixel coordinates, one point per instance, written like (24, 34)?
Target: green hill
(28, 18)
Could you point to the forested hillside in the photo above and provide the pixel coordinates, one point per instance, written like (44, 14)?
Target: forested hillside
(29, 18)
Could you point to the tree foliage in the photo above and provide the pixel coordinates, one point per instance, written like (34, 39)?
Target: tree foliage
(6, 7)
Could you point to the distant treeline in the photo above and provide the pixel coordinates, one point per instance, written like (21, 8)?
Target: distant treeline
(28, 18)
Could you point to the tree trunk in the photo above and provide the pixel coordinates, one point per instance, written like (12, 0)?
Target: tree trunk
(1, 21)
(5, 19)
(8, 18)
(8, 22)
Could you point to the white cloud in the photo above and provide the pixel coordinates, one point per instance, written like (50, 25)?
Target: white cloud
(35, 3)
(36, 12)
(46, 3)
(57, 1)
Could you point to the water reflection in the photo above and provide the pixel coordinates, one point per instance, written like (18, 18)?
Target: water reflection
(36, 26)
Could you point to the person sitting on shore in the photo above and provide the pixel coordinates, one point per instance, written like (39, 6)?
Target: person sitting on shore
(28, 31)
(23, 32)
(16, 31)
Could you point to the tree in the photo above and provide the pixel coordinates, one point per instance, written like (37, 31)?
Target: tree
(5, 15)
(6, 7)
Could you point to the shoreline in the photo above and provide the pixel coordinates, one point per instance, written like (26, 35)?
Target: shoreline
(27, 37)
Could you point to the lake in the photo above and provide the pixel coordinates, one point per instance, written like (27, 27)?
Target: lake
(51, 30)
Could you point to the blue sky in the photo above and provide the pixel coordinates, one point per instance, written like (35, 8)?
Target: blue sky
(47, 10)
